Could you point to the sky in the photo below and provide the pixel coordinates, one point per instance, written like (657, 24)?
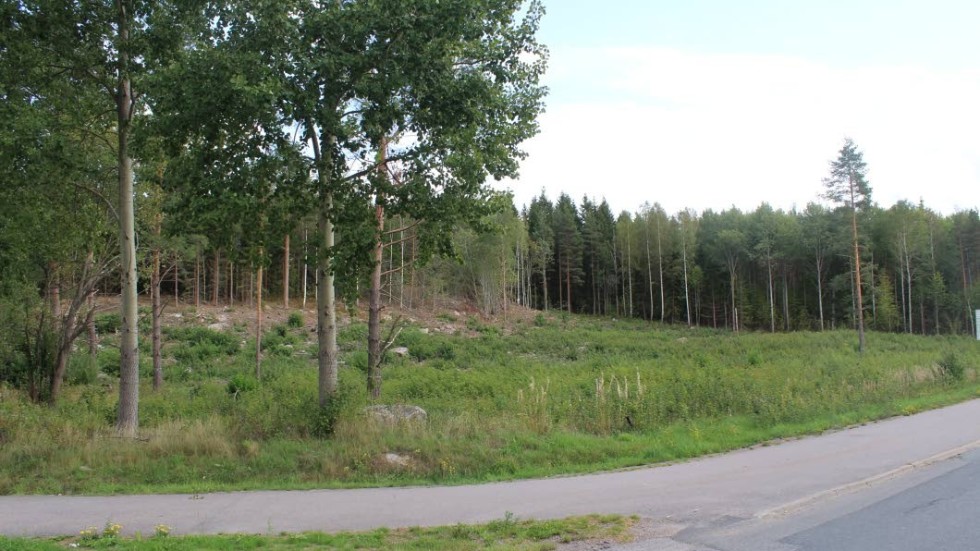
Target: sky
(708, 104)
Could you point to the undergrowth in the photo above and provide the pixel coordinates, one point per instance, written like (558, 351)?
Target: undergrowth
(548, 396)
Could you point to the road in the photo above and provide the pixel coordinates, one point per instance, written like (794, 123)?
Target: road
(687, 504)
(934, 506)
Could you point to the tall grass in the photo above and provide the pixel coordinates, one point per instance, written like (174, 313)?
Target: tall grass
(553, 396)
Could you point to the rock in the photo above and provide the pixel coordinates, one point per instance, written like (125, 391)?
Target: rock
(398, 413)
(396, 460)
(424, 330)
(400, 351)
(217, 326)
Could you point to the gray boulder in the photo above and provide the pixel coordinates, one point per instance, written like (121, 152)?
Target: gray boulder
(394, 414)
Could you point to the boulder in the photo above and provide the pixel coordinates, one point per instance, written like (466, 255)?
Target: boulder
(395, 460)
(400, 351)
(394, 414)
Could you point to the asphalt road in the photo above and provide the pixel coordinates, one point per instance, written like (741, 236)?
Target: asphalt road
(768, 492)
(932, 507)
(942, 513)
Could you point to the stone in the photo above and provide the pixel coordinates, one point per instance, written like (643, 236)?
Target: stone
(396, 460)
(400, 351)
(398, 413)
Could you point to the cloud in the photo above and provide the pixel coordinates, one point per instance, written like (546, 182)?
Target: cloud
(715, 130)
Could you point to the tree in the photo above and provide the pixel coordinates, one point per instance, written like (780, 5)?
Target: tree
(103, 47)
(817, 237)
(566, 227)
(461, 77)
(847, 185)
(687, 222)
(542, 237)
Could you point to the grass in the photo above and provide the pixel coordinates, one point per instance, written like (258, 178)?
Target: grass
(502, 535)
(545, 397)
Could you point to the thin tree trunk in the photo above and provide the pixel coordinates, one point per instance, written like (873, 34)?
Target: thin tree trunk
(374, 306)
(649, 266)
(326, 299)
(216, 276)
(772, 306)
(258, 318)
(127, 421)
(155, 313)
(660, 268)
(568, 285)
(176, 268)
(197, 279)
(970, 322)
(93, 336)
(820, 289)
(285, 272)
(231, 283)
(857, 269)
(305, 266)
(687, 293)
(786, 319)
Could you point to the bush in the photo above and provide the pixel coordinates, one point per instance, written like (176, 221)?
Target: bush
(208, 339)
(109, 322)
(82, 369)
(241, 382)
(951, 368)
(295, 320)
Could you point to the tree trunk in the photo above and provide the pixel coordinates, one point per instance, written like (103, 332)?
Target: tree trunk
(857, 271)
(93, 336)
(544, 283)
(820, 289)
(176, 269)
(216, 277)
(687, 294)
(649, 266)
(285, 272)
(326, 301)
(127, 421)
(660, 268)
(305, 268)
(155, 314)
(786, 320)
(374, 306)
(772, 306)
(197, 279)
(258, 319)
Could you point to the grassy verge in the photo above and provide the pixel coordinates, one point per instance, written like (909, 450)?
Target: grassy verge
(552, 396)
(502, 535)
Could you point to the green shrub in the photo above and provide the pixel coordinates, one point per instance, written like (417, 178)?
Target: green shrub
(951, 368)
(225, 343)
(295, 320)
(109, 322)
(82, 369)
(242, 382)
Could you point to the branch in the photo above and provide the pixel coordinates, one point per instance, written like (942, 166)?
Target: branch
(401, 229)
(393, 332)
(375, 166)
(98, 195)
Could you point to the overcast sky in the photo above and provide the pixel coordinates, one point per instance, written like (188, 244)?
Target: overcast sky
(714, 103)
